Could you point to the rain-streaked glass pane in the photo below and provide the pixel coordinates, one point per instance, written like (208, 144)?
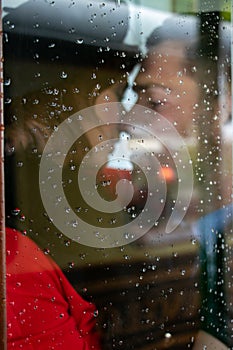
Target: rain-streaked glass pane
(118, 174)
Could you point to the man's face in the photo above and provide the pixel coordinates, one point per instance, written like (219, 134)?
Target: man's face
(165, 86)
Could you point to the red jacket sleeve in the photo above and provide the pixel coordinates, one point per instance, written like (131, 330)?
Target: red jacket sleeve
(43, 310)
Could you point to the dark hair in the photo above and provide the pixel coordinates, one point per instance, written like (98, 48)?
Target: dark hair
(189, 30)
(177, 28)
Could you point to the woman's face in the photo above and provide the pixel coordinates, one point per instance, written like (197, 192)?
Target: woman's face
(165, 86)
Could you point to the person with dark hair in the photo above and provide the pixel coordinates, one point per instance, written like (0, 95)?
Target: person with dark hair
(166, 85)
(180, 81)
(190, 88)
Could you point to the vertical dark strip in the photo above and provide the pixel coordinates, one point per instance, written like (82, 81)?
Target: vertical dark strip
(2, 208)
(213, 310)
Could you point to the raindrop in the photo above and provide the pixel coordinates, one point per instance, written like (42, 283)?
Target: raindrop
(7, 100)
(15, 211)
(72, 167)
(7, 81)
(126, 257)
(10, 150)
(82, 256)
(126, 235)
(76, 91)
(19, 164)
(63, 75)
(95, 313)
(168, 91)
(34, 150)
(67, 243)
(106, 98)
(22, 218)
(167, 335)
(71, 30)
(71, 265)
(11, 25)
(79, 41)
(75, 224)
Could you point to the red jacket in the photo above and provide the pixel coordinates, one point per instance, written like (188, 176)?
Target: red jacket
(44, 312)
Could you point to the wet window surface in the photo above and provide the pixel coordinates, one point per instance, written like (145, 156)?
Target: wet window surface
(118, 174)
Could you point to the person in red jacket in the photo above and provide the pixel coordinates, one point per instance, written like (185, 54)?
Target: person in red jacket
(44, 312)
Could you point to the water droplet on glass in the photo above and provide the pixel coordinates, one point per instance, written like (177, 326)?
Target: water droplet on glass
(167, 335)
(67, 243)
(15, 211)
(126, 235)
(22, 218)
(7, 100)
(72, 167)
(71, 30)
(63, 75)
(71, 265)
(95, 313)
(79, 41)
(7, 81)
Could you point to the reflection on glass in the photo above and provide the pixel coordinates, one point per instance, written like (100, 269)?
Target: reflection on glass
(150, 102)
